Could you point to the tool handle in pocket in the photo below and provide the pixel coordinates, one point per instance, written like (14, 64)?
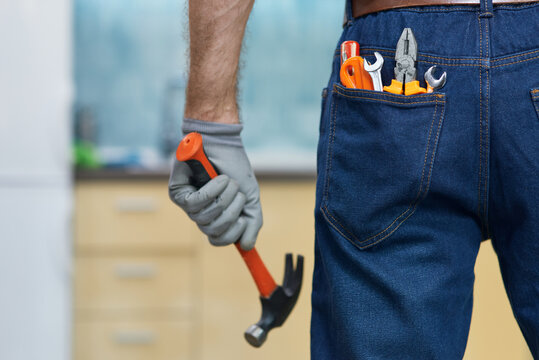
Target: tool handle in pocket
(191, 151)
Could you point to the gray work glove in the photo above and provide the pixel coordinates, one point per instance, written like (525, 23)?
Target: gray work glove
(227, 208)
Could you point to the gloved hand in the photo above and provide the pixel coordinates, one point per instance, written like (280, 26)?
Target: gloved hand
(227, 208)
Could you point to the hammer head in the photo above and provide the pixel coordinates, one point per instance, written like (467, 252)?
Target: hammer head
(277, 307)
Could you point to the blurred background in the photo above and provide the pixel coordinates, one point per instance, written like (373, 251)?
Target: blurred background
(96, 262)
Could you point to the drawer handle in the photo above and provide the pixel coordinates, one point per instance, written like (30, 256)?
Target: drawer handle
(134, 337)
(135, 271)
(136, 204)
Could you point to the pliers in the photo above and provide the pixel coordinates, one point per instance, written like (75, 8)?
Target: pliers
(405, 71)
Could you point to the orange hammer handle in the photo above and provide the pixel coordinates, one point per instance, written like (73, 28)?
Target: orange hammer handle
(191, 151)
(263, 279)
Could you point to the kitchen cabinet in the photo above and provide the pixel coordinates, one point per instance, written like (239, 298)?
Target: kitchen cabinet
(149, 286)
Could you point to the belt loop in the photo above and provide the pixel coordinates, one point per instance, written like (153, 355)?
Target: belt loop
(486, 9)
(348, 17)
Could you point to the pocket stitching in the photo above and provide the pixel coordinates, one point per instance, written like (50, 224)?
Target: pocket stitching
(535, 99)
(362, 244)
(329, 153)
(421, 182)
(401, 97)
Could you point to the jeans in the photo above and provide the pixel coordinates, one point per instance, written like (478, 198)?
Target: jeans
(409, 186)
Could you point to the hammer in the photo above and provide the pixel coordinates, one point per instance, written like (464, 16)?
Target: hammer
(277, 301)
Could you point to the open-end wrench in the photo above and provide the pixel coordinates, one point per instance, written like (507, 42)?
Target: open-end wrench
(432, 83)
(374, 71)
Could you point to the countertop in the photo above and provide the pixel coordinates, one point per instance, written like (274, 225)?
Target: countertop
(141, 174)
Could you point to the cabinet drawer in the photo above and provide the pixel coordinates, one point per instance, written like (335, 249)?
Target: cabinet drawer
(116, 285)
(133, 340)
(132, 216)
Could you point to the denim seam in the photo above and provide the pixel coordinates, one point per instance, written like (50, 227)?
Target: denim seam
(391, 54)
(483, 180)
(329, 162)
(336, 89)
(328, 277)
(444, 64)
(419, 55)
(514, 56)
(421, 9)
(348, 13)
(362, 244)
(340, 228)
(462, 62)
(516, 62)
(445, 58)
(471, 8)
(480, 127)
(495, 60)
(535, 100)
(388, 101)
(329, 152)
(487, 134)
(515, 6)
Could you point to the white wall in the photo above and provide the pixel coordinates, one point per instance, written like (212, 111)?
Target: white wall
(35, 193)
(35, 89)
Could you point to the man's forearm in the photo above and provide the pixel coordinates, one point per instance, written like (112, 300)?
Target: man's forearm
(216, 29)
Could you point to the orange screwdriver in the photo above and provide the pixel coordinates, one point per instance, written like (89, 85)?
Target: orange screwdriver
(353, 74)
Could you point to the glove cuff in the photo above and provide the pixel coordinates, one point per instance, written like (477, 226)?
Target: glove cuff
(214, 133)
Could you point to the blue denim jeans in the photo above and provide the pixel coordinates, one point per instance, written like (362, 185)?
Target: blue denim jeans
(409, 186)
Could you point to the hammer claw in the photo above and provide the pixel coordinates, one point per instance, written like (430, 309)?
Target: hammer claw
(288, 268)
(292, 277)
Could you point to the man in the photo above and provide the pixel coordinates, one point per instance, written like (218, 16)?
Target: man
(408, 186)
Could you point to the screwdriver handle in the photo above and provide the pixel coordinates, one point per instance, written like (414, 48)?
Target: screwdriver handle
(191, 151)
(349, 49)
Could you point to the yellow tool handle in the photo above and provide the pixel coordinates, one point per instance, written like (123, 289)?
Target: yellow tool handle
(413, 88)
(394, 88)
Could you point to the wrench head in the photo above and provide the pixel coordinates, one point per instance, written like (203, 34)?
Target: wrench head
(377, 65)
(435, 83)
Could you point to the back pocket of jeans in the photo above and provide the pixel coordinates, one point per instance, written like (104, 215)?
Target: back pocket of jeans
(380, 156)
(535, 98)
